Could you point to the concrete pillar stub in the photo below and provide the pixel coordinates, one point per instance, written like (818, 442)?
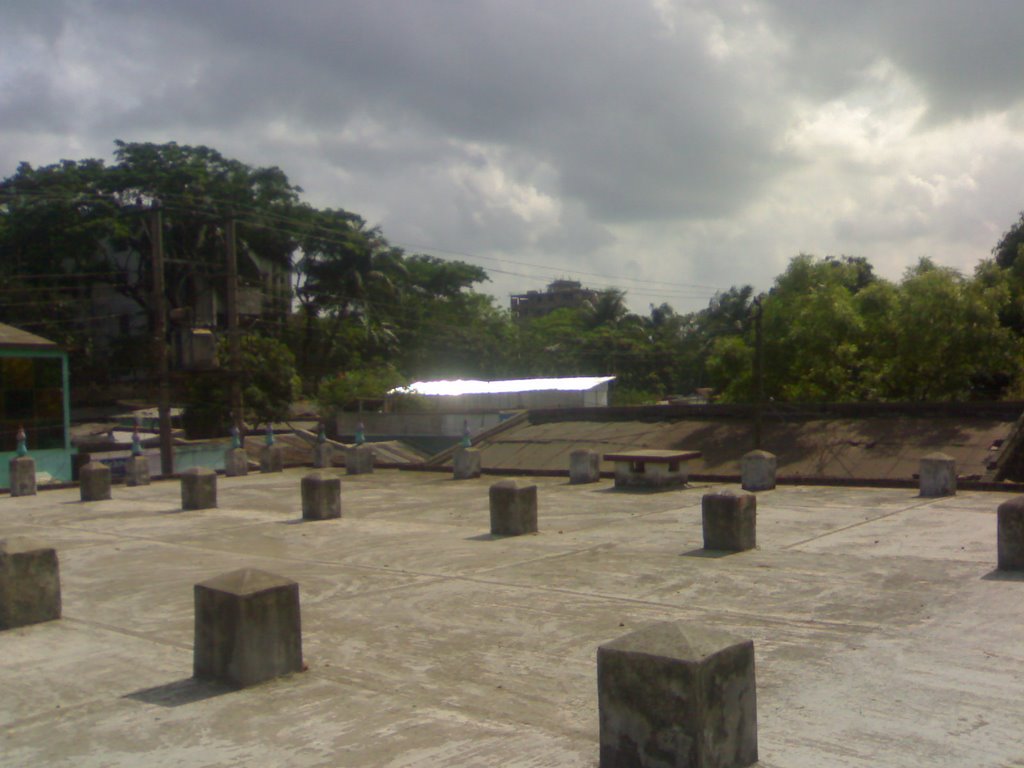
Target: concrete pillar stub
(938, 475)
(236, 462)
(359, 460)
(22, 473)
(466, 463)
(584, 467)
(1010, 534)
(137, 471)
(675, 695)
(247, 627)
(323, 455)
(271, 459)
(29, 583)
(321, 496)
(94, 482)
(729, 521)
(198, 488)
(513, 508)
(757, 471)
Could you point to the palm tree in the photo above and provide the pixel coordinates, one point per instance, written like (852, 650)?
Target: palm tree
(607, 308)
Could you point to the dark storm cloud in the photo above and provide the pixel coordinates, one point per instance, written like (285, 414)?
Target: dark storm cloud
(622, 110)
(696, 141)
(965, 56)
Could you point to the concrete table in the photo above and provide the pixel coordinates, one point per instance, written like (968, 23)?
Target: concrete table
(651, 468)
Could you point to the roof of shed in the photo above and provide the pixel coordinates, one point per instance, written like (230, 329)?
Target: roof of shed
(11, 337)
(476, 387)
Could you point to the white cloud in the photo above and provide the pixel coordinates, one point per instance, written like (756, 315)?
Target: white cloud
(691, 145)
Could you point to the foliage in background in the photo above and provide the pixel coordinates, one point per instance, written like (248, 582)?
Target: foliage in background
(344, 391)
(269, 386)
(832, 329)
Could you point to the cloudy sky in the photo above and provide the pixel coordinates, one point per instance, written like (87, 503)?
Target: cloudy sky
(669, 148)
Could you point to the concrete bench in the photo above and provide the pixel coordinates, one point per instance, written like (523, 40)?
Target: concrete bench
(650, 468)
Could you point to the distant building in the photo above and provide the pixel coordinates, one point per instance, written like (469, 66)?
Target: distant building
(560, 294)
(197, 308)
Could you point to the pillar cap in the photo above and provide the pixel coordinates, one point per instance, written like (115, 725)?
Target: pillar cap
(201, 471)
(674, 640)
(16, 545)
(246, 581)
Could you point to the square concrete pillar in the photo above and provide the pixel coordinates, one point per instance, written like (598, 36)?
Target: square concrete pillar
(1010, 534)
(29, 583)
(513, 508)
(757, 471)
(938, 475)
(236, 462)
(22, 473)
(247, 627)
(137, 471)
(94, 482)
(675, 695)
(729, 520)
(321, 496)
(584, 467)
(272, 459)
(359, 460)
(198, 488)
(323, 455)
(466, 463)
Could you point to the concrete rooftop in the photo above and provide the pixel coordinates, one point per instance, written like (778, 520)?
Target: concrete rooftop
(883, 636)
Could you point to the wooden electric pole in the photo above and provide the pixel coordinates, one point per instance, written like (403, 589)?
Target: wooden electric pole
(758, 375)
(156, 239)
(234, 342)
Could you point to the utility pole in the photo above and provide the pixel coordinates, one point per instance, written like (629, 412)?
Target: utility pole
(156, 239)
(758, 375)
(234, 342)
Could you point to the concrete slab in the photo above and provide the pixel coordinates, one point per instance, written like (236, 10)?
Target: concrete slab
(883, 634)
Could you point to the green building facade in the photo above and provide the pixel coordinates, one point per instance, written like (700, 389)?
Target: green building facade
(34, 396)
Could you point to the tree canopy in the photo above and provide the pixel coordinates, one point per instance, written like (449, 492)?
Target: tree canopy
(357, 313)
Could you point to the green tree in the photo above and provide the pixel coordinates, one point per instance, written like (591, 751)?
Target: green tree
(940, 338)
(730, 368)
(67, 226)
(345, 390)
(608, 308)
(1008, 248)
(812, 331)
(269, 386)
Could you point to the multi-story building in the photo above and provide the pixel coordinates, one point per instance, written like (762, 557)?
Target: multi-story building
(560, 294)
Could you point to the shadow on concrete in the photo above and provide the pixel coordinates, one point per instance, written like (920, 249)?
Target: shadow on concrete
(187, 691)
(710, 553)
(640, 490)
(997, 575)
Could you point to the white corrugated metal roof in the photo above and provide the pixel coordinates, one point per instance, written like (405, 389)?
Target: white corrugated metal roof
(474, 387)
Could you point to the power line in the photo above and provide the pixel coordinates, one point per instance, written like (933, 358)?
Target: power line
(301, 227)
